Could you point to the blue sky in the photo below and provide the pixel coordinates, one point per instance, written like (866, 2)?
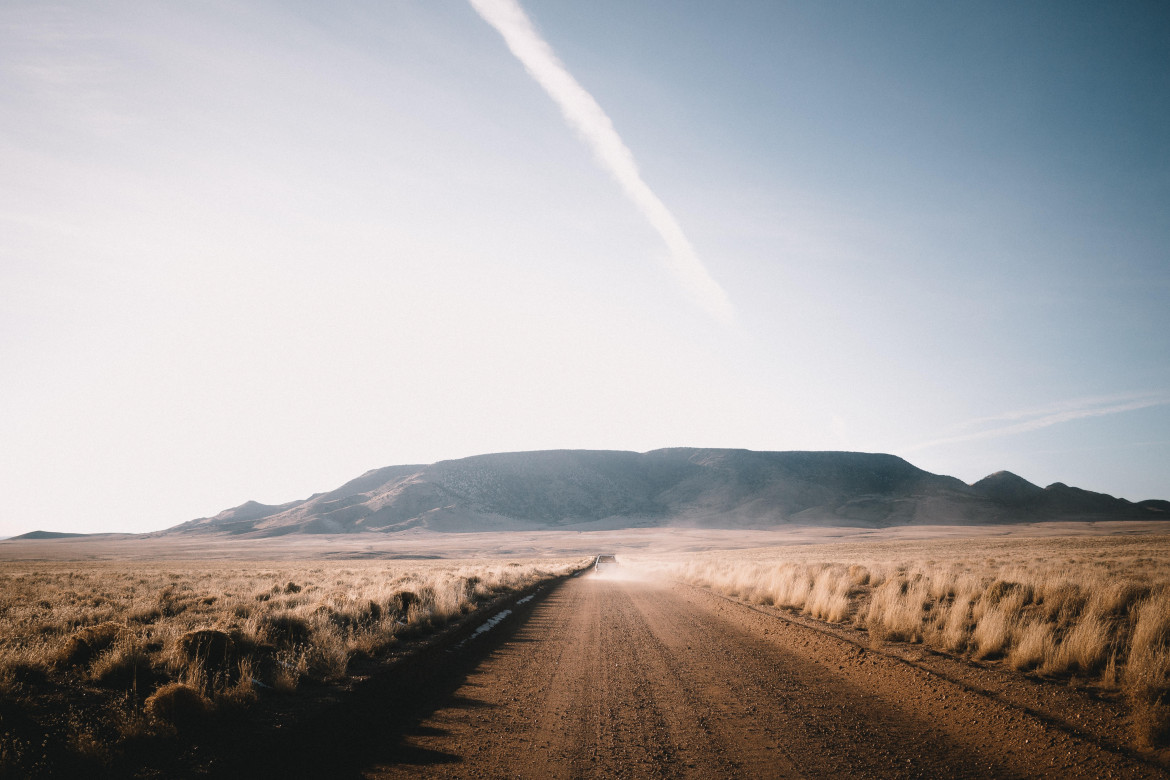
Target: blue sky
(248, 251)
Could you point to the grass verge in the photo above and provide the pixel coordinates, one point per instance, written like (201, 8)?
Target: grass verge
(103, 662)
(1083, 609)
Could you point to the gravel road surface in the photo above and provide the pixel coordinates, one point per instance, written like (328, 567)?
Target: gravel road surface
(614, 677)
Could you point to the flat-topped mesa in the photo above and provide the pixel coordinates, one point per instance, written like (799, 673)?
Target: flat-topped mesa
(680, 486)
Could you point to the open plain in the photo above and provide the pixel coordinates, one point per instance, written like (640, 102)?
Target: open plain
(991, 651)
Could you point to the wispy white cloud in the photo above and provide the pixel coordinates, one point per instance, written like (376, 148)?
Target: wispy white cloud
(1025, 420)
(594, 127)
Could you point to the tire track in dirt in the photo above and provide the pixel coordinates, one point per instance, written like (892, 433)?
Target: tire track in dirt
(827, 724)
(687, 742)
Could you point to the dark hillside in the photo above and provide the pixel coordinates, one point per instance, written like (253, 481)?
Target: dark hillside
(595, 489)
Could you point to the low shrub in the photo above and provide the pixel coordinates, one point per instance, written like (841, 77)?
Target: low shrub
(178, 705)
(87, 643)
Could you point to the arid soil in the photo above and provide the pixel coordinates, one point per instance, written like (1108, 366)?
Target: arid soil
(616, 677)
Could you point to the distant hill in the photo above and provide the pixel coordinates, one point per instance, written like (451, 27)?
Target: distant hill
(47, 535)
(724, 488)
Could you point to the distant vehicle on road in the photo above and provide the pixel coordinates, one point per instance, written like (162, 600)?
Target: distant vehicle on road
(604, 562)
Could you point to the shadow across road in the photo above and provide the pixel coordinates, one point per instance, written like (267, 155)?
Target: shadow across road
(370, 725)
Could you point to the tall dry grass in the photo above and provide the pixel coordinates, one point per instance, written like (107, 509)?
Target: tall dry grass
(165, 647)
(1094, 609)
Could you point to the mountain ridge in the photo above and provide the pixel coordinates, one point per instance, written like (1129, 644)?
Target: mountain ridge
(680, 486)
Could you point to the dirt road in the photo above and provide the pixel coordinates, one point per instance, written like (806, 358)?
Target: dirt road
(622, 678)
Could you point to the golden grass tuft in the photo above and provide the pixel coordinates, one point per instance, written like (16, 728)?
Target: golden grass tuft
(178, 704)
(1146, 678)
(1034, 642)
(1083, 648)
(993, 633)
(85, 645)
(897, 609)
(829, 598)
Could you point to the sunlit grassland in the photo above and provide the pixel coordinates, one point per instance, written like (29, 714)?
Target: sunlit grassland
(1095, 609)
(97, 655)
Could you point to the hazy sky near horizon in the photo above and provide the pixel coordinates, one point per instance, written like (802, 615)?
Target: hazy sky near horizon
(251, 250)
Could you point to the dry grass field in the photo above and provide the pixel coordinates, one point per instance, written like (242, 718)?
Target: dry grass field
(111, 648)
(1092, 609)
(97, 657)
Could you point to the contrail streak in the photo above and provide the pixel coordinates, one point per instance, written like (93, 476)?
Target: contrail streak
(585, 116)
(1035, 420)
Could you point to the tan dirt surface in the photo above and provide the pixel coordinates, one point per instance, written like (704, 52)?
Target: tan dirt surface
(613, 677)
